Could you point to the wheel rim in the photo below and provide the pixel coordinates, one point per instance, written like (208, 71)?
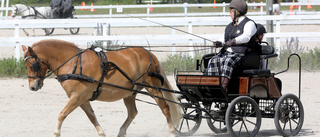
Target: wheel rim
(49, 31)
(74, 30)
(243, 117)
(191, 119)
(216, 124)
(289, 115)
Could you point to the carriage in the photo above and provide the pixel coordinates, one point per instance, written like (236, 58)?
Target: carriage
(253, 92)
(30, 12)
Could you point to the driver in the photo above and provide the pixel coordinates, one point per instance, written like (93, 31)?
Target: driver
(239, 39)
(63, 8)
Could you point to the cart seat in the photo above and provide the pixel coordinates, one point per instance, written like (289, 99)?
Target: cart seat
(258, 72)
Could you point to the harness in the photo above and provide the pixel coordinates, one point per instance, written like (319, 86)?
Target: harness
(104, 64)
(36, 13)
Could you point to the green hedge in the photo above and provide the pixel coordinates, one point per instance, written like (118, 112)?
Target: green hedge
(309, 61)
(10, 67)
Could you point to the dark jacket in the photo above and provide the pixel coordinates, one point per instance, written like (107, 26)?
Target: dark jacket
(232, 32)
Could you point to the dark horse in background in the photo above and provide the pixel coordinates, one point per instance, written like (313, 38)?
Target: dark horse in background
(57, 56)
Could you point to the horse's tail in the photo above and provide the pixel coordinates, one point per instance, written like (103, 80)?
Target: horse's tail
(175, 109)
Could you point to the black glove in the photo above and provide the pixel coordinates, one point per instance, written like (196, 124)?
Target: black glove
(217, 43)
(231, 42)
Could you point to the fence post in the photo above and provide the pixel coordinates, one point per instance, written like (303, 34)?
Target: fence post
(278, 39)
(17, 44)
(269, 23)
(110, 11)
(261, 7)
(2, 5)
(104, 33)
(185, 6)
(224, 9)
(173, 34)
(148, 10)
(190, 40)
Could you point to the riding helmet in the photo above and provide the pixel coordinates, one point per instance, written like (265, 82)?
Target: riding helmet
(260, 29)
(240, 5)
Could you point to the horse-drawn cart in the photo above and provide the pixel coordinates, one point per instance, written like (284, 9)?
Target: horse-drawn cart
(30, 12)
(253, 93)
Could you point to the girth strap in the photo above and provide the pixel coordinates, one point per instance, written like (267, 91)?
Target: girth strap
(103, 60)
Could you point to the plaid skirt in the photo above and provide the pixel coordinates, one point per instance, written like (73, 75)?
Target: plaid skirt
(227, 61)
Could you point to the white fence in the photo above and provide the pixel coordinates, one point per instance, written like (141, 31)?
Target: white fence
(16, 40)
(185, 6)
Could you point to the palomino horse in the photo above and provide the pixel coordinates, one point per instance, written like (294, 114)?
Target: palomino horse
(28, 12)
(61, 57)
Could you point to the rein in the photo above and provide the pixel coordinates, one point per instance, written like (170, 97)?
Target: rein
(36, 13)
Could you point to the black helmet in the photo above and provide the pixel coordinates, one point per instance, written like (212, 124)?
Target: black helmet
(260, 29)
(239, 5)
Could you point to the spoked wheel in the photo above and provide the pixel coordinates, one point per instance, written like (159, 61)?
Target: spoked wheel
(74, 31)
(289, 115)
(48, 31)
(191, 120)
(217, 124)
(243, 117)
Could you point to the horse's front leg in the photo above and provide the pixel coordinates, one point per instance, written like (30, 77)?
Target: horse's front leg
(132, 112)
(86, 107)
(74, 102)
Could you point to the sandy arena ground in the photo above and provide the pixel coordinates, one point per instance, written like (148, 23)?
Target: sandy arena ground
(24, 113)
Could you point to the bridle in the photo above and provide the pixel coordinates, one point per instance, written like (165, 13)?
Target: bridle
(17, 9)
(36, 66)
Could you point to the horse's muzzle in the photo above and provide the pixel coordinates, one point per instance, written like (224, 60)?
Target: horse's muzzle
(36, 85)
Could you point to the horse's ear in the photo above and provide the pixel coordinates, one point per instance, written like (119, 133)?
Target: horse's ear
(24, 48)
(30, 50)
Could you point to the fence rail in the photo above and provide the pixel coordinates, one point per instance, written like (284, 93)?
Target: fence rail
(16, 25)
(185, 6)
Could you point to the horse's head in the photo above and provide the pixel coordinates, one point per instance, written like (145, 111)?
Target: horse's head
(36, 68)
(18, 9)
(14, 11)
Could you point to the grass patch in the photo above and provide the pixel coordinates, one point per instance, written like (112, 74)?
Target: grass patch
(10, 67)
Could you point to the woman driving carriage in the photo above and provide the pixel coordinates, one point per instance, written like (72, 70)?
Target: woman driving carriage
(239, 39)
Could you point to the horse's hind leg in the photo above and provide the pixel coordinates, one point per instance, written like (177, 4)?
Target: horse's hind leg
(164, 108)
(86, 107)
(132, 112)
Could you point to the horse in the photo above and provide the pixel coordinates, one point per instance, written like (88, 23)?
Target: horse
(62, 57)
(29, 12)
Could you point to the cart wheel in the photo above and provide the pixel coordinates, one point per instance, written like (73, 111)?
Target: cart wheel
(217, 124)
(191, 120)
(48, 31)
(243, 117)
(289, 115)
(74, 31)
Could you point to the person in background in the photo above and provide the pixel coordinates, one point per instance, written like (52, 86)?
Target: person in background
(261, 30)
(239, 39)
(276, 7)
